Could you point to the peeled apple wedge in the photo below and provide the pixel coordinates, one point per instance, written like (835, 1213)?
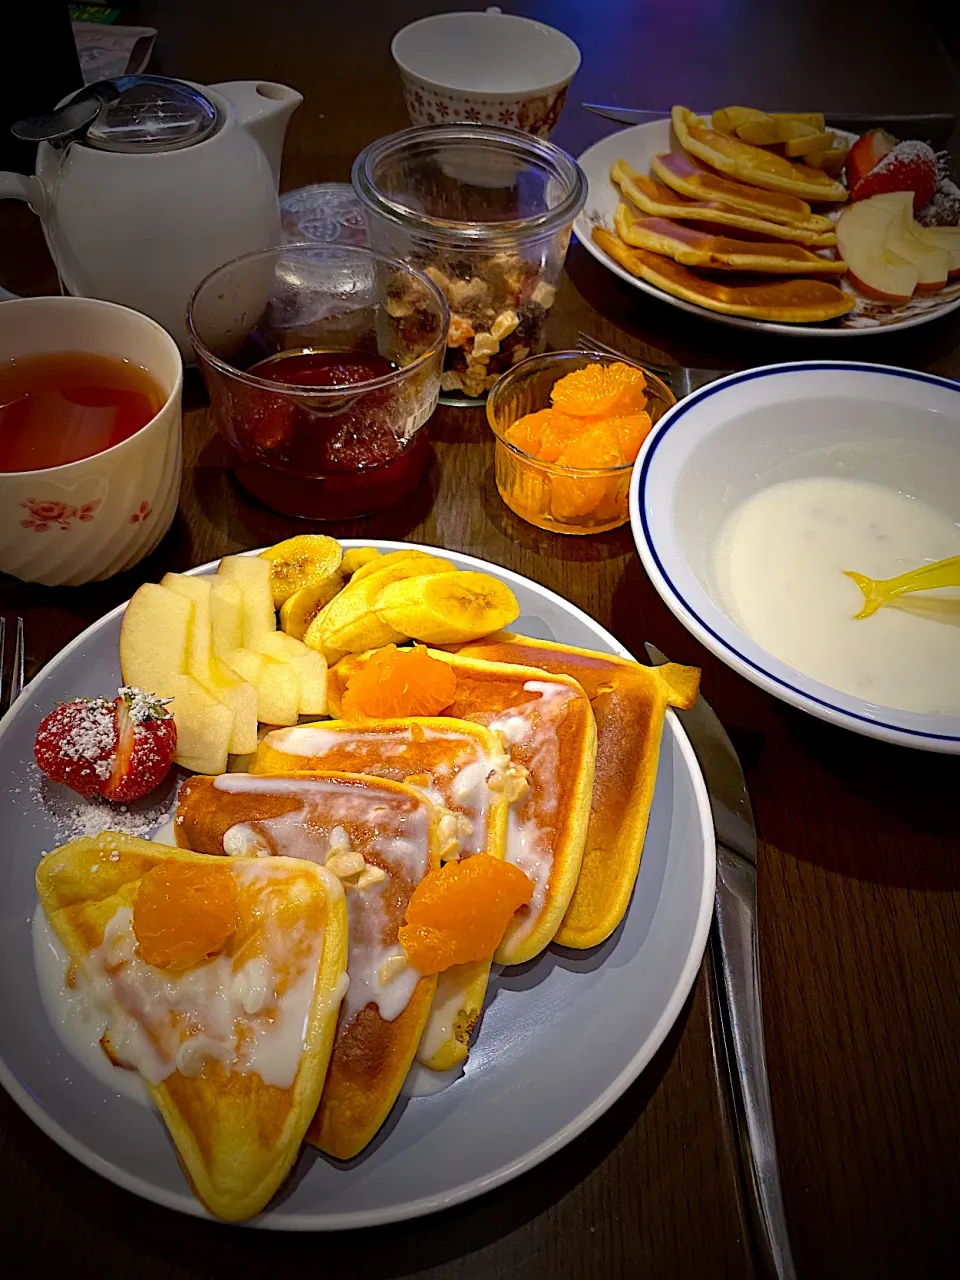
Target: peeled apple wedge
(308, 560)
(447, 608)
(384, 561)
(311, 666)
(277, 684)
(355, 557)
(300, 609)
(252, 576)
(226, 617)
(349, 623)
(155, 638)
(198, 647)
(946, 238)
(204, 726)
(241, 697)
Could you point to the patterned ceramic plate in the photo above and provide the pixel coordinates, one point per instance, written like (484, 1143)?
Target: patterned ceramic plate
(638, 145)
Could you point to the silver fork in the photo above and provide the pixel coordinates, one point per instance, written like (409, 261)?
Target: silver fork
(15, 687)
(679, 378)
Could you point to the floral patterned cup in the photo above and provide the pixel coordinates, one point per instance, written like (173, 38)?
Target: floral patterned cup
(490, 68)
(90, 519)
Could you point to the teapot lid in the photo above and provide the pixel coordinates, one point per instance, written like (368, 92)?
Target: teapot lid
(152, 113)
(137, 115)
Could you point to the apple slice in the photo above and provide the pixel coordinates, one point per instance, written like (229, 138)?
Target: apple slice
(277, 685)
(946, 238)
(241, 697)
(252, 575)
(154, 638)
(874, 269)
(311, 665)
(932, 263)
(226, 617)
(204, 726)
(198, 649)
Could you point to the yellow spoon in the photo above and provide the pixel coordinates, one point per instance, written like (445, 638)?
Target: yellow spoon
(880, 591)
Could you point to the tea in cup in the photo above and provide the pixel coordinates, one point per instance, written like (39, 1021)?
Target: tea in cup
(90, 446)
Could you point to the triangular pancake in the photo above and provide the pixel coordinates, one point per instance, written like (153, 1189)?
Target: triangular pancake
(629, 702)
(694, 248)
(396, 830)
(656, 199)
(750, 164)
(789, 301)
(548, 728)
(233, 1049)
(451, 761)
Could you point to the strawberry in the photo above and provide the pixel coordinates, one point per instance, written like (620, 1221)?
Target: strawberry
(910, 166)
(76, 744)
(865, 154)
(146, 744)
(120, 749)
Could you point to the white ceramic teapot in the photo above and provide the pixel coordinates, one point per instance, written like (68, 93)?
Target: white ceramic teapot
(148, 184)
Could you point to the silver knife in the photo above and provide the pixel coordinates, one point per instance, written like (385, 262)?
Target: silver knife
(926, 126)
(733, 950)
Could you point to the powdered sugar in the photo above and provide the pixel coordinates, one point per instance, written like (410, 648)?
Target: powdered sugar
(88, 732)
(73, 817)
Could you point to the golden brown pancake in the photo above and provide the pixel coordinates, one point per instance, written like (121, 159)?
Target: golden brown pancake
(453, 762)
(206, 1031)
(306, 815)
(685, 174)
(753, 165)
(656, 199)
(790, 301)
(629, 702)
(697, 248)
(549, 731)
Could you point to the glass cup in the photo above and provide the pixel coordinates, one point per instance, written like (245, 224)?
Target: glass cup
(486, 213)
(322, 365)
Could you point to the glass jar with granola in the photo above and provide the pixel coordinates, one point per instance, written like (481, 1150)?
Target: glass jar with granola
(486, 213)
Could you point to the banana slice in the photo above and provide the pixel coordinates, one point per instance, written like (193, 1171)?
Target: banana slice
(382, 562)
(447, 608)
(300, 609)
(307, 560)
(350, 624)
(355, 558)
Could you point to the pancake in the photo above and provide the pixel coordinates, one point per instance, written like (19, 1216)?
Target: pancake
(658, 200)
(789, 300)
(233, 1049)
(685, 174)
(311, 816)
(548, 729)
(753, 165)
(629, 702)
(451, 762)
(695, 248)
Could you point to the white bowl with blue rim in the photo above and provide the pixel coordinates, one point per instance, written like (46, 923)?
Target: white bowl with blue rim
(746, 432)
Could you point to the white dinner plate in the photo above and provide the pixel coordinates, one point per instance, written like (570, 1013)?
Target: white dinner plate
(638, 145)
(560, 1040)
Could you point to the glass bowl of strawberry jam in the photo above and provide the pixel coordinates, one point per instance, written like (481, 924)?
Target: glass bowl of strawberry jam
(322, 365)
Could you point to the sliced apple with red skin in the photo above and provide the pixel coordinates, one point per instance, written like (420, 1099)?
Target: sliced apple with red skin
(946, 238)
(877, 271)
(932, 262)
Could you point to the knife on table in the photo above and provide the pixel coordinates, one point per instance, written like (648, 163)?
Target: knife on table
(925, 126)
(733, 951)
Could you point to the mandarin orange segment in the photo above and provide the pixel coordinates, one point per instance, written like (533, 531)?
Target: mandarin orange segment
(543, 434)
(630, 431)
(184, 913)
(397, 683)
(600, 391)
(596, 447)
(459, 912)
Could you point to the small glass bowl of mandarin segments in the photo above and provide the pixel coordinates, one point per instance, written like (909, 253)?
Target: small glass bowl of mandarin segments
(555, 494)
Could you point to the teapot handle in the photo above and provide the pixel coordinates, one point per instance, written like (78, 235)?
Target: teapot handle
(17, 186)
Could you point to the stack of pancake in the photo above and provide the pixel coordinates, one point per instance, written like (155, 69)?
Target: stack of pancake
(729, 226)
(546, 757)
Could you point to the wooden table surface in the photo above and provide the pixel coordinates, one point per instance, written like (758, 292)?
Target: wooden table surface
(859, 874)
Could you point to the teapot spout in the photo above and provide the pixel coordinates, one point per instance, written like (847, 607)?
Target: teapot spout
(263, 110)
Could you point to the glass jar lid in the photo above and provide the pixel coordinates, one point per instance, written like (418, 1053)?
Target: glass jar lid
(470, 183)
